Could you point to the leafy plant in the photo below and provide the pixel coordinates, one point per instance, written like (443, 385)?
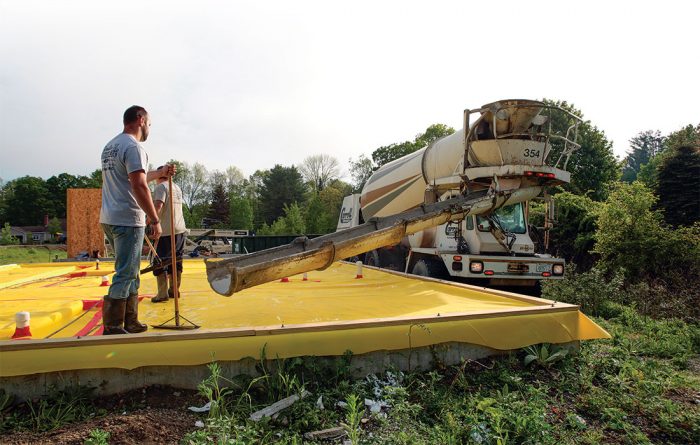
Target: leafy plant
(216, 394)
(543, 356)
(97, 437)
(353, 418)
(281, 381)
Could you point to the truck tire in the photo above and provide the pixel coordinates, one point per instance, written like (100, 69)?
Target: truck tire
(428, 267)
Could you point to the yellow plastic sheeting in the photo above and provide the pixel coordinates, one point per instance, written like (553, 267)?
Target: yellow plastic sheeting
(328, 314)
(13, 276)
(499, 333)
(332, 295)
(51, 293)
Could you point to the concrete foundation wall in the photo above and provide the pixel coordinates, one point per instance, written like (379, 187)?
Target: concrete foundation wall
(112, 381)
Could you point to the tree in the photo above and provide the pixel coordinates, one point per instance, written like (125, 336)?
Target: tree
(241, 213)
(281, 186)
(643, 147)
(360, 171)
(28, 200)
(386, 154)
(319, 170)
(229, 178)
(54, 226)
(572, 236)
(686, 136)
(58, 186)
(679, 186)
(95, 181)
(593, 167)
(250, 189)
(220, 207)
(432, 134)
(6, 236)
(291, 223)
(194, 183)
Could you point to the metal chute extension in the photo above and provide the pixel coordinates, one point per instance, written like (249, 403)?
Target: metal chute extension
(302, 255)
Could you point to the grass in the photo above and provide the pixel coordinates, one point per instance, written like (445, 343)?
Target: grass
(641, 387)
(30, 254)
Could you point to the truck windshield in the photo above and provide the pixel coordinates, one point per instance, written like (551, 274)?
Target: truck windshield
(511, 219)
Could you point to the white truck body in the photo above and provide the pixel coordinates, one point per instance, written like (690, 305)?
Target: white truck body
(503, 149)
(416, 213)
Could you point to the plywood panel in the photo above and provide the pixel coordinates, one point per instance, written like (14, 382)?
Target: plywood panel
(84, 230)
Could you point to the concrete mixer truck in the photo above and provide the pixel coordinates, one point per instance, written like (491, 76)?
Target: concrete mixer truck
(457, 207)
(509, 142)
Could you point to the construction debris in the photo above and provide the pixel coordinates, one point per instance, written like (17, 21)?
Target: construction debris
(278, 406)
(327, 434)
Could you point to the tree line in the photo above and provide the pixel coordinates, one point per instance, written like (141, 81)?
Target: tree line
(306, 198)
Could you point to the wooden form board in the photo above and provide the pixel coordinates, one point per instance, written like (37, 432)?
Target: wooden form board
(84, 230)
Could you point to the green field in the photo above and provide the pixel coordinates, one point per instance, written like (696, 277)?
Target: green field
(30, 254)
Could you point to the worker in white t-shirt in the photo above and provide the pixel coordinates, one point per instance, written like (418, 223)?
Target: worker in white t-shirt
(164, 276)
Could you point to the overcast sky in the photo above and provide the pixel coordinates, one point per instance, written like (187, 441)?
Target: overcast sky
(258, 83)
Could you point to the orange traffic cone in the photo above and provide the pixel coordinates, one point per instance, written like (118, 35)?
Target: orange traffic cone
(22, 325)
(284, 280)
(105, 281)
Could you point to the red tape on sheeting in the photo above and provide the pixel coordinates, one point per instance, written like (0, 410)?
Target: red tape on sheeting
(89, 304)
(91, 324)
(75, 275)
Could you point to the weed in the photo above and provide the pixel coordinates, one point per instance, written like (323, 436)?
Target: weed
(282, 381)
(97, 437)
(543, 356)
(5, 400)
(59, 407)
(218, 396)
(353, 418)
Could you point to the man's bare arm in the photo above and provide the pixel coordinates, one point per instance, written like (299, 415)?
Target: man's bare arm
(139, 187)
(158, 205)
(166, 170)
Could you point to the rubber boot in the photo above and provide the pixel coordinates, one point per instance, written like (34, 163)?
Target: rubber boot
(162, 295)
(171, 293)
(113, 312)
(131, 318)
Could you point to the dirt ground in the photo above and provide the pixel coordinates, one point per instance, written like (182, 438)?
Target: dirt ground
(153, 415)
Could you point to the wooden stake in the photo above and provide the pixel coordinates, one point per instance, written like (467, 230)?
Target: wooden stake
(173, 271)
(173, 253)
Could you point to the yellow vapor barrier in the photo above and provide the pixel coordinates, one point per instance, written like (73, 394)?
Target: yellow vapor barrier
(328, 314)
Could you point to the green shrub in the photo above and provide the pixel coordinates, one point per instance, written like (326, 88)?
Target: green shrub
(6, 237)
(593, 291)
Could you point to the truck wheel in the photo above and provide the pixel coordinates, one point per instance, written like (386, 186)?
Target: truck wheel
(428, 267)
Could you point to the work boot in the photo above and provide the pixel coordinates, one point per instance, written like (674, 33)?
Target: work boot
(113, 312)
(171, 292)
(131, 318)
(162, 295)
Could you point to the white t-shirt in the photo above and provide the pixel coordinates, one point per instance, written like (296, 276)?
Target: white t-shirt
(121, 156)
(161, 194)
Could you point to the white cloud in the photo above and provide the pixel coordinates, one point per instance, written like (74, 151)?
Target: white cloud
(252, 84)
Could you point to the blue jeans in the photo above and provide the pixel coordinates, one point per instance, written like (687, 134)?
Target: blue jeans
(127, 243)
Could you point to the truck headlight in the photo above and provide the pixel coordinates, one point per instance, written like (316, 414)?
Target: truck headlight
(476, 267)
(558, 269)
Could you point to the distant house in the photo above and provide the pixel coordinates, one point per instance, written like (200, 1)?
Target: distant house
(36, 234)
